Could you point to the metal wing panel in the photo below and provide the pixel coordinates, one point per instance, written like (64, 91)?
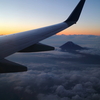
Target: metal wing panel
(16, 42)
(12, 43)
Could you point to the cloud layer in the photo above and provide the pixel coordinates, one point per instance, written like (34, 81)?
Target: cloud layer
(52, 75)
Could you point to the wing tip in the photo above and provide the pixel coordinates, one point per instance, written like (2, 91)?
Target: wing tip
(74, 16)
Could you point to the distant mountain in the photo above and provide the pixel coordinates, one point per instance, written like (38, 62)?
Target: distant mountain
(70, 46)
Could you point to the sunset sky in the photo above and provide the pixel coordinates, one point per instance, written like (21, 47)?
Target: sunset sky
(22, 15)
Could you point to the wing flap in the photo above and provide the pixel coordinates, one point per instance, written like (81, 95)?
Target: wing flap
(37, 48)
(7, 66)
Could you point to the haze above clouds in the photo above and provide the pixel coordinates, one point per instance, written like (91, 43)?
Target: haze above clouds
(56, 75)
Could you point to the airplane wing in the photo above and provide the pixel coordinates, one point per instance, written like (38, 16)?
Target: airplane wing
(28, 41)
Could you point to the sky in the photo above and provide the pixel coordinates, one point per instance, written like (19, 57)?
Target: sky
(22, 15)
(56, 75)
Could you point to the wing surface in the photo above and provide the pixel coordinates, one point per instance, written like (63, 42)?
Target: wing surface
(10, 44)
(24, 41)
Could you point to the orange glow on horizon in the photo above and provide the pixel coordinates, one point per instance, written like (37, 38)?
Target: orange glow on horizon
(69, 31)
(5, 30)
(78, 33)
(60, 33)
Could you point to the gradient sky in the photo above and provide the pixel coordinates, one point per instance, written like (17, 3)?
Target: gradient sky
(23, 15)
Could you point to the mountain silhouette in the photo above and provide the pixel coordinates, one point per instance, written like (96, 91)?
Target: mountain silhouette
(70, 46)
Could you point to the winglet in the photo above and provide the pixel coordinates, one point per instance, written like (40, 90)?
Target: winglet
(73, 18)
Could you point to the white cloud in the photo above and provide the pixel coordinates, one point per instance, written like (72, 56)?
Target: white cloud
(27, 89)
(18, 88)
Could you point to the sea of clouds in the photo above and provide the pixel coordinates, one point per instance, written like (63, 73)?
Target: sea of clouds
(55, 75)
